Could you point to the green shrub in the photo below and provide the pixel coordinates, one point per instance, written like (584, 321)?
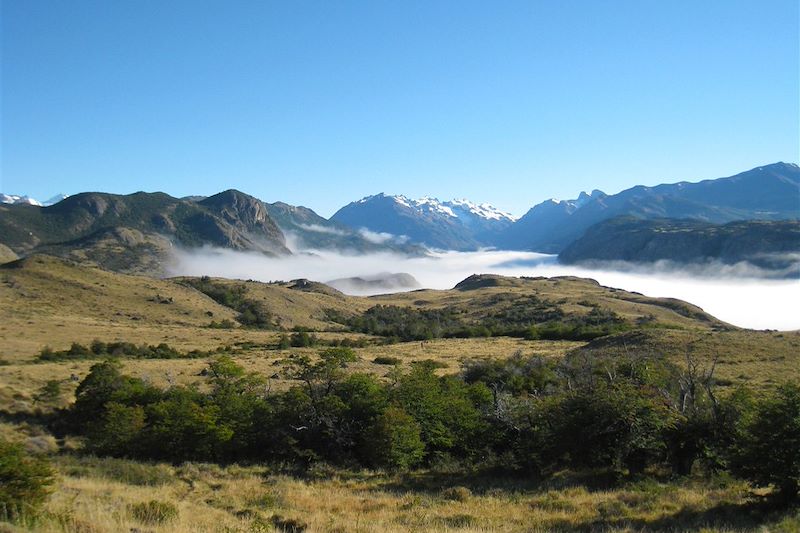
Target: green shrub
(386, 360)
(768, 449)
(302, 339)
(395, 441)
(234, 295)
(284, 342)
(25, 482)
(154, 512)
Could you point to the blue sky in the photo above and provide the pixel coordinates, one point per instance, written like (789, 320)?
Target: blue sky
(321, 103)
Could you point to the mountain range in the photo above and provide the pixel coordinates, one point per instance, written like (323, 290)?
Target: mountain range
(135, 232)
(770, 192)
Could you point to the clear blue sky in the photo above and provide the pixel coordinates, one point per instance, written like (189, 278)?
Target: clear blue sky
(320, 103)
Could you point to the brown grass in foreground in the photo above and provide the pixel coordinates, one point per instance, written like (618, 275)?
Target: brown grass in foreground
(98, 495)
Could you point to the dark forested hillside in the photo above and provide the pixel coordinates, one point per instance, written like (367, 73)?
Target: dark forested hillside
(768, 244)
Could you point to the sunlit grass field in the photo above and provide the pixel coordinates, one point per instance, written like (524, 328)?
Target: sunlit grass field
(48, 302)
(100, 494)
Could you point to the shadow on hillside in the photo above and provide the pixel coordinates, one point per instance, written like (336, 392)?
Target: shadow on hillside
(56, 422)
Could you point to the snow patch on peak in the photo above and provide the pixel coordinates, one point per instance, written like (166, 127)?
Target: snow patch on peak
(459, 208)
(16, 199)
(426, 203)
(402, 200)
(484, 210)
(55, 199)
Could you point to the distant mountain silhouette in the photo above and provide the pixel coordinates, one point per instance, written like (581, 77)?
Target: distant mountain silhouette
(771, 192)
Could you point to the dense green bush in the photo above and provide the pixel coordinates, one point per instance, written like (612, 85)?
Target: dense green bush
(100, 349)
(531, 318)
(617, 425)
(768, 449)
(303, 339)
(406, 323)
(386, 360)
(394, 441)
(620, 415)
(25, 482)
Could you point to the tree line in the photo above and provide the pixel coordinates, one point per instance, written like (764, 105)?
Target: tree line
(528, 415)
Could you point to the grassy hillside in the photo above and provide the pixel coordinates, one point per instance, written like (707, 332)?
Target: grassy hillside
(134, 233)
(53, 302)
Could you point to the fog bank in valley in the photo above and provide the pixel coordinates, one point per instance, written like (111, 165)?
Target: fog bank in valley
(738, 294)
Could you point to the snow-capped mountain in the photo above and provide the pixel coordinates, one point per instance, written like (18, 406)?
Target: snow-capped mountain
(460, 208)
(769, 192)
(453, 225)
(16, 199)
(55, 199)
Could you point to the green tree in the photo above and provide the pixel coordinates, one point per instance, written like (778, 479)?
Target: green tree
(118, 432)
(239, 396)
(394, 441)
(284, 343)
(103, 384)
(768, 450)
(615, 425)
(25, 482)
(183, 426)
(446, 409)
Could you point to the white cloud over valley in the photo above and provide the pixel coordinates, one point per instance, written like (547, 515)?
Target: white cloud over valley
(733, 293)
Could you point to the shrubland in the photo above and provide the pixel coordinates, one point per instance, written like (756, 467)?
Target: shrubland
(527, 416)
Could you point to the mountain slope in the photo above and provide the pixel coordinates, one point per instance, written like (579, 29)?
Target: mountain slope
(311, 231)
(770, 192)
(543, 219)
(98, 227)
(773, 245)
(454, 225)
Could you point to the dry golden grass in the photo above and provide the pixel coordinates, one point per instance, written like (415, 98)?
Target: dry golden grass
(96, 494)
(743, 357)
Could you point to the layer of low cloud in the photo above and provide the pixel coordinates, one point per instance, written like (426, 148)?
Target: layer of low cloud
(738, 294)
(376, 237)
(317, 228)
